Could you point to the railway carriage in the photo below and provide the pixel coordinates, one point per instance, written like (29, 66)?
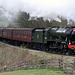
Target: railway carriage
(8, 33)
(23, 34)
(1, 32)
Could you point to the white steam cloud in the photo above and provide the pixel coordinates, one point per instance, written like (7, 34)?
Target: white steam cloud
(49, 9)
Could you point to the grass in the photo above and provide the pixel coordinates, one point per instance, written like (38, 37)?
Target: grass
(35, 72)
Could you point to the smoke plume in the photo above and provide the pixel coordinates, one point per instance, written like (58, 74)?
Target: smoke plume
(49, 9)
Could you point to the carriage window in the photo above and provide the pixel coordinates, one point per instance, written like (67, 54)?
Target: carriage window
(27, 34)
(15, 33)
(21, 34)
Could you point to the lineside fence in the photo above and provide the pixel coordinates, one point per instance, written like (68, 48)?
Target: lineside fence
(69, 67)
(56, 63)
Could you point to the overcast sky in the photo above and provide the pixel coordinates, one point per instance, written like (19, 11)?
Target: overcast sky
(42, 8)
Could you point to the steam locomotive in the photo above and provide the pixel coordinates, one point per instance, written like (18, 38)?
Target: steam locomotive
(52, 39)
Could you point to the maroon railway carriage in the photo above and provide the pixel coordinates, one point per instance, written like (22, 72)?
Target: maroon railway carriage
(1, 32)
(23, 34)
(8, 33)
